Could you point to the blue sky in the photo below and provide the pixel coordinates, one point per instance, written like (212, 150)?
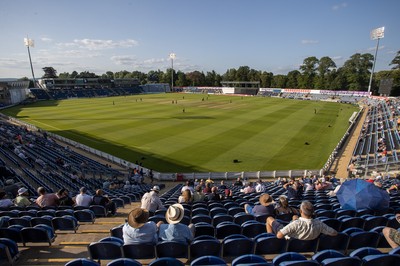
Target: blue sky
(205, 35)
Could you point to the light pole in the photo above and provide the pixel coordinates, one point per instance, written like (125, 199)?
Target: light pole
(376, 34)
(30, 43)
(172, 57)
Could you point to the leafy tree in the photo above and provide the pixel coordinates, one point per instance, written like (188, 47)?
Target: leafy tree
(49, 72)
(396, 61)
(153, 77)
(279, 81)
(196, 78)
(242, 74)
(74, 74)
(181, 80)
(230, 75)
(338, 80)
(357, 71)
(308, 69)
(266, 79)
(64, 75)
(213, 79)
(325, 67)
(293, 79)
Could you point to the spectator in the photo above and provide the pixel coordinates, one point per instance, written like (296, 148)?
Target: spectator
(4, 201)
(22, 199)
(294, 190)
(138, 229)
(187, 186)
(46, 199)
(238, 183)
(100, 199)
(207, 188)
(198, 195)
(64, 199)
(260, 186)
(83, 199)
(186, 197)
(266, 206)
(283, 207)
(151, 201)
(222, 186)
(214, 196)
(303, 228)
(249, 188)
(127, 185)
(175, 231)
(392, 235)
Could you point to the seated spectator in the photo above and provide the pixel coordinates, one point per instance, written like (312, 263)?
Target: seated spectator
(207, 188)
(22, 199)
(127, 185)
(186, 197)
(213, 196)
(100, 199)
(83, 199)
(151, 201)
(46, 199)
(303, 228)
(249, 188)
(392, 235)
(187, 186)
(198, 195)
(64, 199)
(4, 201)
(266, 206)
(222, 186)
(175, 231)
(238, 182)
(294, 190)
(282, 207)
(260, 186)
(138, 229)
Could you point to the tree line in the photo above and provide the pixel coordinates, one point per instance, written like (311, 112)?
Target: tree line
(314, 73)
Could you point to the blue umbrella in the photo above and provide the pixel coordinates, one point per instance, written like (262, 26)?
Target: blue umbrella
(359, 194)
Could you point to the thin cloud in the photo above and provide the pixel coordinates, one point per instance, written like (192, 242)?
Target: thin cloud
(306, 42)
(92, 44)
(338, 57)
(12, 62)
(46, 39)
(371, 49)
(124, 59)
(339, 6)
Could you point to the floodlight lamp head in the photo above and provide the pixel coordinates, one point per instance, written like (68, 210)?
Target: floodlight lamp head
(172, 56)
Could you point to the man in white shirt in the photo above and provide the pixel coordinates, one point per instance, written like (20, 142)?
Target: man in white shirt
(83, 199)
(151, 201)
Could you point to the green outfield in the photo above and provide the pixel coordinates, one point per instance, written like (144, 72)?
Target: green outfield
(196, 132)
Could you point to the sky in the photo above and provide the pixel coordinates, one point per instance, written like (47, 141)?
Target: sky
(139, 35)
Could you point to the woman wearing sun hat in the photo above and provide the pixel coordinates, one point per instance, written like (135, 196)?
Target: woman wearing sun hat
(175, 231)
(138, 229)
(266, 206)
(22, 199)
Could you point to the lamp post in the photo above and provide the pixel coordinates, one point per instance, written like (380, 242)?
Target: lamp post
(376, 34)
(30, 43)
(172, 57)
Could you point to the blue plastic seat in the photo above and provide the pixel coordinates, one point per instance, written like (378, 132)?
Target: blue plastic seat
(343, 261)
(233, 247)
(124, 262)
(139, 251)
(172, 249)
(249, 259)
(106, 250)
(270, 245)
(297, 245)
(327, 254)
(288, 256)
(166, 262)
(82, 262)
(208, 260)
(381, 260)
(204, 247)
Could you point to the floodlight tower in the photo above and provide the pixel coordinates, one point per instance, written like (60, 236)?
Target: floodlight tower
(376, 34)
(172, 56)
(30, 43)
